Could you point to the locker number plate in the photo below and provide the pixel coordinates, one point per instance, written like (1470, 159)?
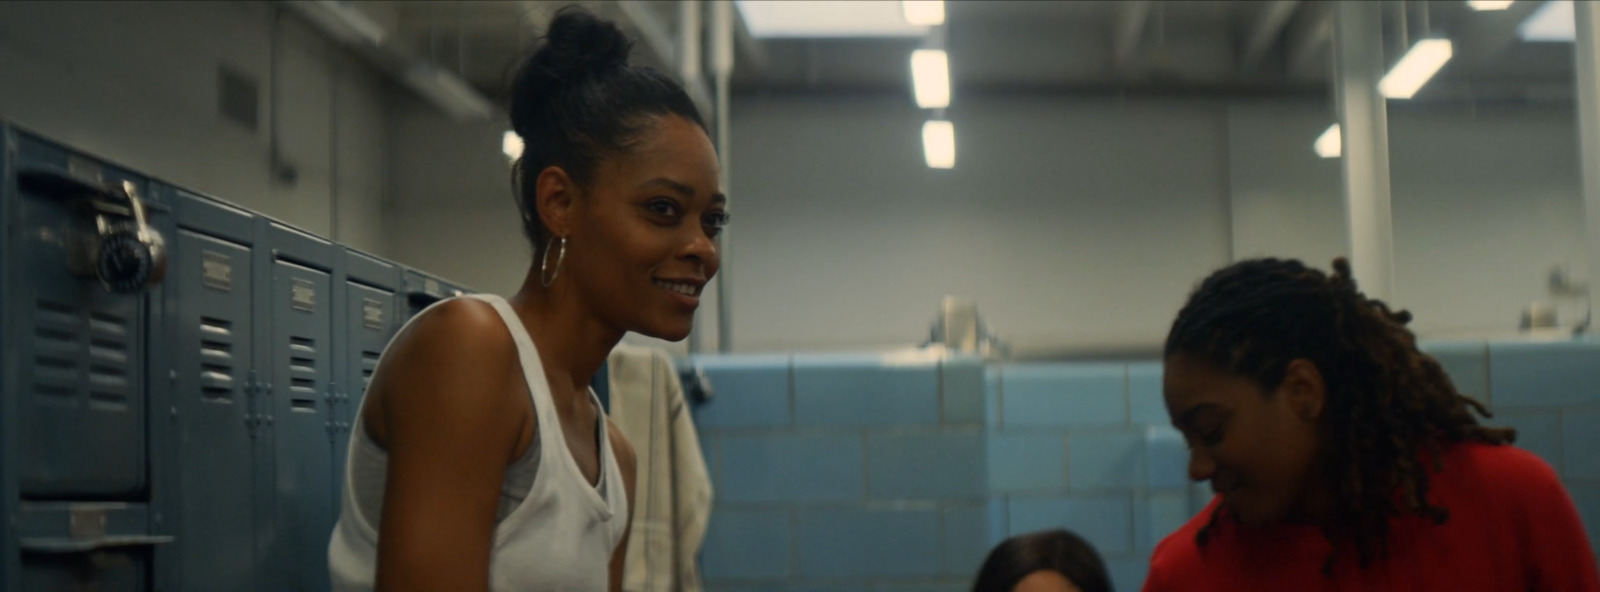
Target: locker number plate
(303, 295)
(216, 271)
(372, 313)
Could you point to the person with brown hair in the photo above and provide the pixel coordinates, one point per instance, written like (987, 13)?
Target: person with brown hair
(1343, 457)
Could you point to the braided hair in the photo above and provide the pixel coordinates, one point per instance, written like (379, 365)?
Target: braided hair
(1388, 404)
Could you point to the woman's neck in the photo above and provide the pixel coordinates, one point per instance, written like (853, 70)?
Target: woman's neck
(572, 341)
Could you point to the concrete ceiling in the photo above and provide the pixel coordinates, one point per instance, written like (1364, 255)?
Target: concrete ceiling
(1032, 46)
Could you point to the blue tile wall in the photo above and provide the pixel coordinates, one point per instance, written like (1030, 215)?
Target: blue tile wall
(1128, 574)
(1145, 405)
(749, 392)
(961, 390)
(1467, 364)
(991, 397)
(932, 464)
(1105, 461)
(1105, 521)
(747, 544)
(1580, 436)
(1022, 461)
(868, 542)
(1064, 395)
(955, 586)
(1156, 516)
(966, 539)
(1166, 458)
(864, 391)
(1537, 432)
(790, 468)
(837, 473)
(1542, 374)
(1587, 497)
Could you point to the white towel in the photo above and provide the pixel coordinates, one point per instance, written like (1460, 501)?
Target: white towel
(672, 498)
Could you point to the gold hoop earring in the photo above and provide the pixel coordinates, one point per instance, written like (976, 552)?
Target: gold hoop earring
(545, 277)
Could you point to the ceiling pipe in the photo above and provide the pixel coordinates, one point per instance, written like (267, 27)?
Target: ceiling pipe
(346, 25)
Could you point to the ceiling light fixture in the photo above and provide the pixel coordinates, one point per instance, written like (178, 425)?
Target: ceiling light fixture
(939, 144)
(1416, 68)
(930, 78)
(923, 13)
(1331, 143)
(511, 144)
(813, 19)
(1557, 20)
(1490, 4)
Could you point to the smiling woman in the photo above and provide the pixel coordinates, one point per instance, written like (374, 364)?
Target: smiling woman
(480, 459)
(1343, 457)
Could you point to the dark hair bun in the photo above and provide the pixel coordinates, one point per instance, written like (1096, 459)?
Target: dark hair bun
(578, 47)
(579, 44)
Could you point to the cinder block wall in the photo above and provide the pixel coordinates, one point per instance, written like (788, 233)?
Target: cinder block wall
(870, 472)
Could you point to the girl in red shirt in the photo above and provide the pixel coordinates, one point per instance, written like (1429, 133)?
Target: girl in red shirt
(1343, 457)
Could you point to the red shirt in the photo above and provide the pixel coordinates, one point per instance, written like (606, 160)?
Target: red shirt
(1512, 527)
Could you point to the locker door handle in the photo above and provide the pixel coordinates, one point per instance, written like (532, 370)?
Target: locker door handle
(74, 545)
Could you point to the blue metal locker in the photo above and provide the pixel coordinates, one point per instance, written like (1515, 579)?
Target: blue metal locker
(301, 403)
(422, 290)
(74, 431)
(214, 384)
(368, 322)
(81, 389)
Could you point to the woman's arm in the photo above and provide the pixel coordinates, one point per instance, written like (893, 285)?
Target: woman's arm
(628, 463)
(451, 424)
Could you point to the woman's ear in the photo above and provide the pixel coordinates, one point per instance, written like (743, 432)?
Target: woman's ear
(1303, 386)
(554, 194)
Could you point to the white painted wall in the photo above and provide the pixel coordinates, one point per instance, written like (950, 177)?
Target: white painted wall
(1077, 224)
(1073, 223)
(136, 82)
(1484, 204)
(1486, 201)
(452, 211)
(1287, 201)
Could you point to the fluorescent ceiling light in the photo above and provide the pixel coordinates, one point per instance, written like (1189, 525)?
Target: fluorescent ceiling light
(817, 19)
(1331, 143)
(1557, 20)
(1416, 68)
(1490, 4)
(939, 144)
(511, 144)
(924, 13)
(930, 77)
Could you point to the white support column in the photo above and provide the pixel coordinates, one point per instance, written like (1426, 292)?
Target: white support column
(1587, 69)
(723, 26)
(1364, 122)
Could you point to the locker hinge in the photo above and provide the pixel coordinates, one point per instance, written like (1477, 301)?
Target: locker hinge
(332, 399)
(251, 389)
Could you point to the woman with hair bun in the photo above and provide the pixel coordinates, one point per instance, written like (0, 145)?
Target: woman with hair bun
(480, 459)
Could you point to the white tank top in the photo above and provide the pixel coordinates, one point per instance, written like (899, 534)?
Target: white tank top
(559, 538)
